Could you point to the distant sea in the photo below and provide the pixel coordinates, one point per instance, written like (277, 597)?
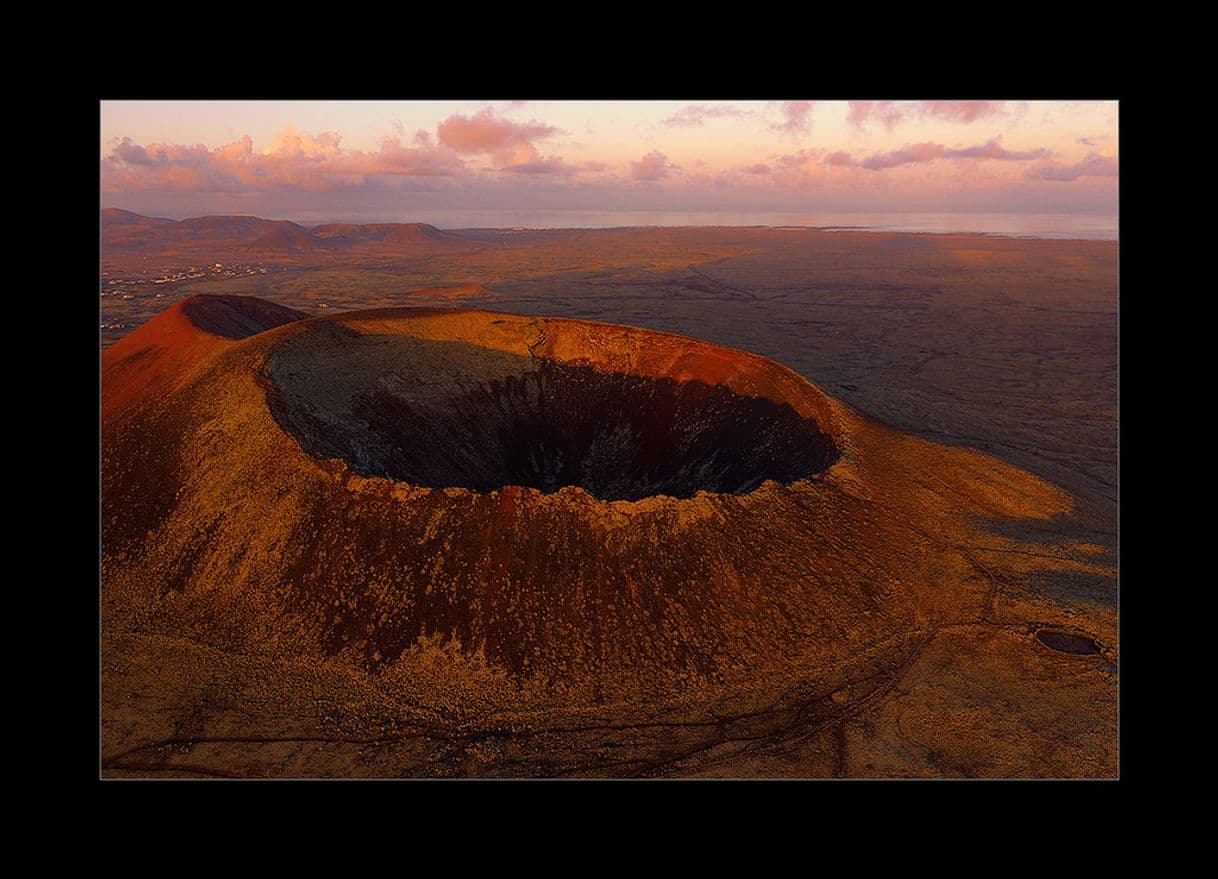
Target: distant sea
(1019, 225)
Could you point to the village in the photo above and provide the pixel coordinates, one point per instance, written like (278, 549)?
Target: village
(166, 284)
(127, 287)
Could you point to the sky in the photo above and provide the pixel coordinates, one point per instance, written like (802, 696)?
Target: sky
(414, 161)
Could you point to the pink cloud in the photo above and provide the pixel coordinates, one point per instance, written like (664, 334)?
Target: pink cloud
(160, 155)
(919, 153)
(484, 132)
(1094, 165)
(909, 155)
(696, 114)
(799, 170)
(812, 167)
(992, 149)
(653, 166)
(393, 158)
(892, 113)
(796, 117)
(292, 144)
(292, 161)
(133, 154)
(862, 112)
(961, 111)
(760, 168)
(550, 166)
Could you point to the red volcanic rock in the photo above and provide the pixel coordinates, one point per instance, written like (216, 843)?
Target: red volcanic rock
(505, 518)
(180, 338)
(673, 505)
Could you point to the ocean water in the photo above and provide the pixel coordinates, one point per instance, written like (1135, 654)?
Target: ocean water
(1091, 226)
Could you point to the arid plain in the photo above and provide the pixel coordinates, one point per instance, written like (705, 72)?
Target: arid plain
(938, 598)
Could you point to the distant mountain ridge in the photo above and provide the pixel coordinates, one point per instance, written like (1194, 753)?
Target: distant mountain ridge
(122, 229)
(391, 232)
(117, 217)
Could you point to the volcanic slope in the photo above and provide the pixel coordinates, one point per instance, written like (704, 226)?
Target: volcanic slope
(456, 542)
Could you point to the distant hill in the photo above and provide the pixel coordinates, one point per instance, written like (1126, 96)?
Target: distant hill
(390, 233)
(239, 236)
(225, 226)
(116, 217)
(125, 229)
(286, 236)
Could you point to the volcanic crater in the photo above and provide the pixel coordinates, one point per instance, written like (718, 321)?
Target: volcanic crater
(441, 413)
(616, 551)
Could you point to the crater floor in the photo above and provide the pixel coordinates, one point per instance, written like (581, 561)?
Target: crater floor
(441, 413)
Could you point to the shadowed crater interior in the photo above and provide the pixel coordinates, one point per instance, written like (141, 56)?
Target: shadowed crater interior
(1067, 642)
(451, 414)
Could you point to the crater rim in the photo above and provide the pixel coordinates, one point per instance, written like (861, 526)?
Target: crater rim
(448, 414)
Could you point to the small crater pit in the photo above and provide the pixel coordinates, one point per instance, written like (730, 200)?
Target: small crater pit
(440, 413)
(1067, 642)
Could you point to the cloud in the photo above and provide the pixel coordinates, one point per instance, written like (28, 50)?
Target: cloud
(484, 132)
(813, 167)
(132, 153)
(862, 112)
(919, 153)
(961, 111)
(893, 113)
(796, 117)
(291, 144)
(696, 114)
(799, 170)
(760, 168)
(992, 149)
(395, 159)
(291, 161)
(550, 166)
(161, 155)
(1094, 165)
(301, 162)
(909, 155)
(653, 166)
